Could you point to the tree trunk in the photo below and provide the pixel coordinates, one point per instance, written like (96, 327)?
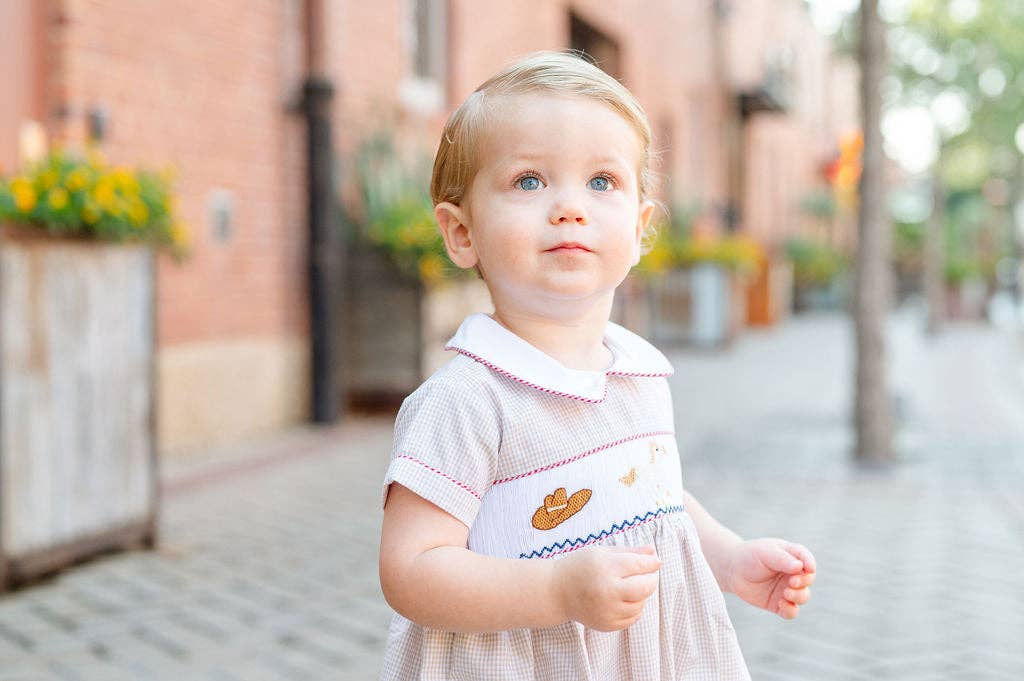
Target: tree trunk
(934, 262)
(1016, 196)
(873, 407)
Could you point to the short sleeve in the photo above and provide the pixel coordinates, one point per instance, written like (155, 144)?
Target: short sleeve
(447, 436)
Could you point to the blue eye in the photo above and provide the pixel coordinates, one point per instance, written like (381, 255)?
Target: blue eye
(599, 183)
(528, 183)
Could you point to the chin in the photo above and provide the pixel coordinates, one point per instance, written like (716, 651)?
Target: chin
(575, 288)
(577, 294)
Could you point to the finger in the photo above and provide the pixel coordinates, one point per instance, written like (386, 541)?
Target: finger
(623, 623)
(781, 560)
(633, 620)
(797, 596)
(806, 579)
(630, 613)
(637, 588)
(646, 548)
(631, 563)
(804, 555)
(788, 610)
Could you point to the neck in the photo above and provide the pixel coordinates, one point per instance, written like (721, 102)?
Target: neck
(575, 340)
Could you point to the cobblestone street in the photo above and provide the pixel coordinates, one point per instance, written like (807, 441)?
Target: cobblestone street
(266, 568)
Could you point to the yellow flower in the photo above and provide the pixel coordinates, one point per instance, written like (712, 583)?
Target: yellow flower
(138, 213)
(431, 268)
(24, 194)
(104, 193)
(77, 179)
(703, 247)
(658, 258)
(424, 229)
(90, 213)
(58, 198)
(126, 180)
(179, 234)
(407, 235)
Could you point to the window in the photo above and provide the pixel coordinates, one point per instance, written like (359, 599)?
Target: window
(427, 42)
(428, 39)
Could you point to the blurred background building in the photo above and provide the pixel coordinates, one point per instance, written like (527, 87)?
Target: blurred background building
(747, 100)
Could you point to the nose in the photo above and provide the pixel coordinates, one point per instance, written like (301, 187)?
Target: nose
(568, 210)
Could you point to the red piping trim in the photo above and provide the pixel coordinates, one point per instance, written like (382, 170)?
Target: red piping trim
(628, 373)
(434, 470)
(585, 454)
(523, 381)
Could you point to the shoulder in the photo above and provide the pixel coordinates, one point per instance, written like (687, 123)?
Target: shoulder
(461, 393)
(461, 379)
(447, 437)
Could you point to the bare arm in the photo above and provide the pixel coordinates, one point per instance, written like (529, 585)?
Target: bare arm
(430, 577)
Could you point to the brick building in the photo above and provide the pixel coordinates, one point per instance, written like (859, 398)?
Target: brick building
(745, 98)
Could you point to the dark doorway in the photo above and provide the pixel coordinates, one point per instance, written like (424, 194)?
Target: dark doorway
(597, 47)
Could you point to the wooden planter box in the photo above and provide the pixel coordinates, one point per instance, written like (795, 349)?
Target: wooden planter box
(397, 328)
(443, 309)
(78, 467)
(703, 306)
(821, 297)
(966, 300)
(383, 362)
(770, 295)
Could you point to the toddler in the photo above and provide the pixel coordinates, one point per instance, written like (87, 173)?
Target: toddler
(535, 522)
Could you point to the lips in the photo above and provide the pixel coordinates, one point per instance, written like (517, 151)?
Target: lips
(570, 246)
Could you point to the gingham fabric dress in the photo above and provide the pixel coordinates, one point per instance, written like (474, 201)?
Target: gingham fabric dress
(539, 460)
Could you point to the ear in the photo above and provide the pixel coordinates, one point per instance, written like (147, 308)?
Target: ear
(451, 221)
(646, 212)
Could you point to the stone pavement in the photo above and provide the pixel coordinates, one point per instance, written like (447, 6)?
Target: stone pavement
(266, 569)
(921, 567)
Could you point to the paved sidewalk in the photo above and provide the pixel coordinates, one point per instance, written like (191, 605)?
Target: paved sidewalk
(266, 569)
(920, 567)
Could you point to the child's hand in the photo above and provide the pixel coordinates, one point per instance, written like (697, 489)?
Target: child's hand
(605, 587)
(772, 574)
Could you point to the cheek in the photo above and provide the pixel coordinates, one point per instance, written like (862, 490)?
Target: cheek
(620, 208)
(623, 220)
(510, 229)
(504, 246)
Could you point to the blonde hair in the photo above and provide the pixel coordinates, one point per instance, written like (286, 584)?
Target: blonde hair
(455, 164)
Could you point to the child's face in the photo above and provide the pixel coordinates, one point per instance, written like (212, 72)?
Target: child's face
(553, 216)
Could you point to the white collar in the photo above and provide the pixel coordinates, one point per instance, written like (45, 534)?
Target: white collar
(483, 339)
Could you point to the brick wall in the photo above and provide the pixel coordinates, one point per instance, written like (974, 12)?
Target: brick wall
(784, 153)
(206, 87)
(209, 87)
(24, 63)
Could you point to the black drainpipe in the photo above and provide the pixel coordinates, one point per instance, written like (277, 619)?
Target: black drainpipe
(325, 243)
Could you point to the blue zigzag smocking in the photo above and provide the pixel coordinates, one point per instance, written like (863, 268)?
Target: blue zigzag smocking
(601, 535)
